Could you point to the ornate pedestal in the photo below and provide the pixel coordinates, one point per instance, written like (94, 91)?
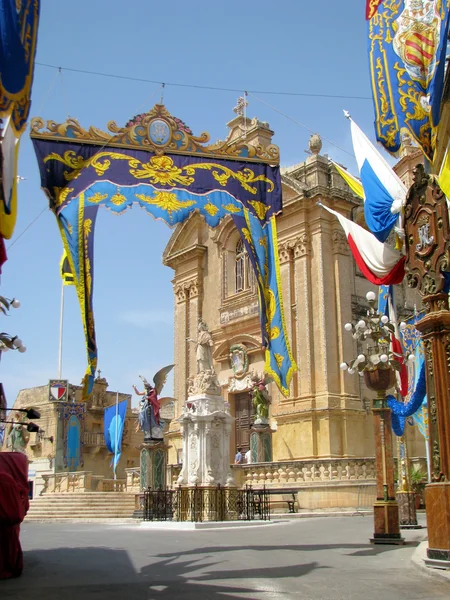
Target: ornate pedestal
(260, 443)
(153, 459)
(153, 465)
(437, 500)
(407, 510)
(205, 429)
(386, 518)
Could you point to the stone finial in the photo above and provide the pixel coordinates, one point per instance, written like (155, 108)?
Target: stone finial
(315, 143)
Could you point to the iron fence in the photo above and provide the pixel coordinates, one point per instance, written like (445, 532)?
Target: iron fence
(206, 504)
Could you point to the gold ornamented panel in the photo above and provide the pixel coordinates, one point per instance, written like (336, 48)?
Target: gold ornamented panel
(156, 131)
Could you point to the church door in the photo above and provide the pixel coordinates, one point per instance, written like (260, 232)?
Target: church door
(244, 420)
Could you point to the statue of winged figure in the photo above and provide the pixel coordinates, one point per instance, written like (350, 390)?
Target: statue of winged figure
(149, 420)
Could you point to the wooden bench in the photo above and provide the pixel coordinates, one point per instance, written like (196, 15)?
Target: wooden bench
(288, 497)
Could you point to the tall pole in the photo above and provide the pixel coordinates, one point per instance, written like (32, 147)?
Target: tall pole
(61, 327)
(116, 433)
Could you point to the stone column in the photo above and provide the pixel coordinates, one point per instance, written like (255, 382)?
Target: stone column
(180, 346)
(303, 301)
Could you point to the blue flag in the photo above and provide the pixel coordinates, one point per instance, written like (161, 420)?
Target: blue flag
(114, 421)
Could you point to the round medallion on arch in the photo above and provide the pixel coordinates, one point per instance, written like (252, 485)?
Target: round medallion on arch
(159, 132)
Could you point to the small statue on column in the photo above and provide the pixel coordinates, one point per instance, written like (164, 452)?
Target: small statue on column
(260, 400)
(149, 420)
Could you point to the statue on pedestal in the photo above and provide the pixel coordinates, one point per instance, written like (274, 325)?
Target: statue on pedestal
(260, 400)
(204, 348)
(18, 436)
(205, 382)
(149, 420)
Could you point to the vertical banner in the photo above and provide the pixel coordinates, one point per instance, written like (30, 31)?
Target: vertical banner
(407, 42)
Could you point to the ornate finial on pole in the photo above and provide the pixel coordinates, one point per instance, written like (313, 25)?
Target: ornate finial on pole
(240, 107)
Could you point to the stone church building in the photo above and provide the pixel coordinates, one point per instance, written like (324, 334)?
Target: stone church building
(327, 413)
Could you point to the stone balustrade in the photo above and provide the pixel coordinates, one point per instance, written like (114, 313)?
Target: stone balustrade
(133, 479)
(305, 472)
(81, 481)
(94, 438)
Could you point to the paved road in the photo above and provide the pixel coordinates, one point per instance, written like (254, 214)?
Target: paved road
(317, 558)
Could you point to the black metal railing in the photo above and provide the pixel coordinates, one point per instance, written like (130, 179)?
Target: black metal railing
(206, 504)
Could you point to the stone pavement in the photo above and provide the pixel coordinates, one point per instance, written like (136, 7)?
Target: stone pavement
(310, 558)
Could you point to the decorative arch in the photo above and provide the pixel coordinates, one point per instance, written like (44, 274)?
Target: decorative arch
(156, 162)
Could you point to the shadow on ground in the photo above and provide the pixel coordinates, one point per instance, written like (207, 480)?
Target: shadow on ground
(200, 573)
(88, 573)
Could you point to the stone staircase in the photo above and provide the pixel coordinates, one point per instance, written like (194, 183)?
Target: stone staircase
(89, 507)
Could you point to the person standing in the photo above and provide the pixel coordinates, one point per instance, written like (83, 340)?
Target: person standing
(248, 456)
(239, 459)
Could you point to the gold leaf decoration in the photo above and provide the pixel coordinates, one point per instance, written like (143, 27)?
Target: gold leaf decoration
(260, 208)
(279, 359)
(160, 169)
(232, 208)
(263, 242)
(211, 209)
(247, 235)
(62, 195)
(166, 201)
(274, 333)
(97, 197)
(118, 198)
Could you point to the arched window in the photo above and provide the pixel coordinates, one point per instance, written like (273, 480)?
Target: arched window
(244, 276)
(241, 257)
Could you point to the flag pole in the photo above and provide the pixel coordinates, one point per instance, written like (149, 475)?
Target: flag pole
(116, 433)
(61, 326)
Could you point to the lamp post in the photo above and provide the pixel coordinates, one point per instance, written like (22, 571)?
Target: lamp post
(378, 364)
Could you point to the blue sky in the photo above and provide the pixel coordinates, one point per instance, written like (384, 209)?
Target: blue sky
(289, 45)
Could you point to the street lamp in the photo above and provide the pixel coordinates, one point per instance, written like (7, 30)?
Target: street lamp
(377, 363)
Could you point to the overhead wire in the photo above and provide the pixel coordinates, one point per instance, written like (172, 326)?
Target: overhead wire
(299, 123)
(200, 87)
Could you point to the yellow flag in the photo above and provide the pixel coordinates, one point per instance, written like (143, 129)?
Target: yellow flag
(66, 272)
(444, 175)
(353, 183)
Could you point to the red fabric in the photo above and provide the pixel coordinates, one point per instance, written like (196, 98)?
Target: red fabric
(14, 505)
(153, 399)
(3, 257)
(372, 7)
(397, 348)
(394, 276)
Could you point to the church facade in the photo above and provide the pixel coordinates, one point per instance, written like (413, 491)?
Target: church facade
(327, 412)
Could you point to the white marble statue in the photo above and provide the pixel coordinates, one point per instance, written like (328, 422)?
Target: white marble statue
(204, 348)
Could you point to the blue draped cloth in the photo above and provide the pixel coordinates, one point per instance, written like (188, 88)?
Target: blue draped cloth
(78, 178)
(401, 410)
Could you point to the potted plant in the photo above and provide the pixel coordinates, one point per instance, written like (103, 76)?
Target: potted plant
(417, 480)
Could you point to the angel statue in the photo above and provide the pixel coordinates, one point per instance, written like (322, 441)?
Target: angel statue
(149, 420)
(260, 400)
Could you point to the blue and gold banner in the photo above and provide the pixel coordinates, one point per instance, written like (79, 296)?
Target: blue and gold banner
(78, 178)
(407, 42)
(18, 37)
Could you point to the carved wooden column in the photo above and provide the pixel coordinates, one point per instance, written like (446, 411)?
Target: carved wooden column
(428, 258)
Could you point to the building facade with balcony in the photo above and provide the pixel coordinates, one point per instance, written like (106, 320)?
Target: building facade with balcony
(46, 449)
